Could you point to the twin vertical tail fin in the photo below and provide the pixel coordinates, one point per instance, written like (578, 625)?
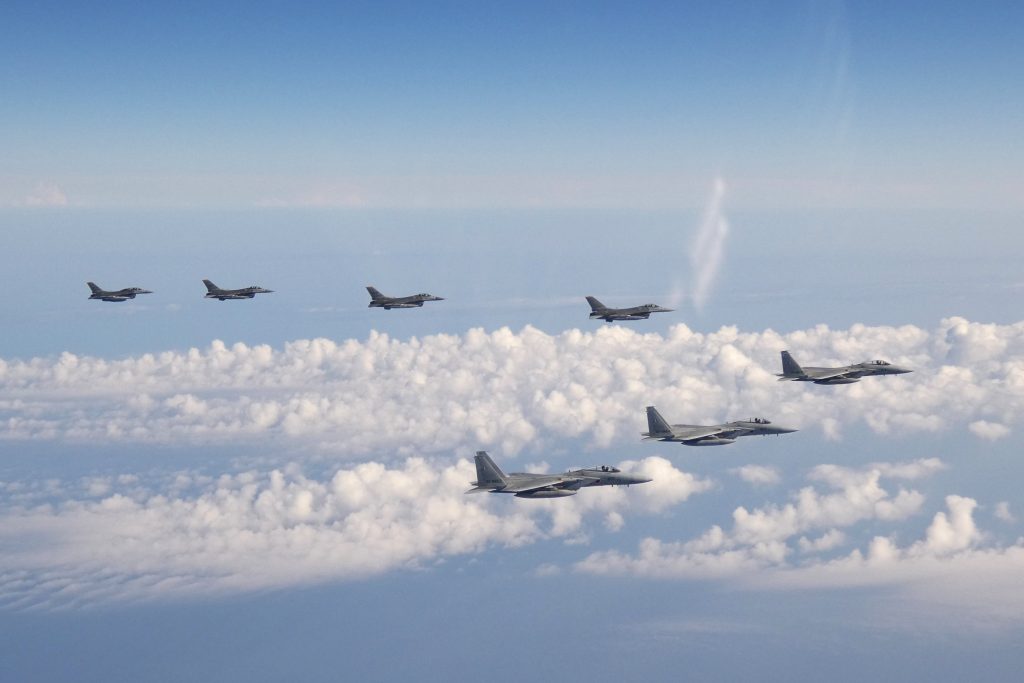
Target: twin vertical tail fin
(595, 305)
(656, 424)
(488, 475)
(790, 366)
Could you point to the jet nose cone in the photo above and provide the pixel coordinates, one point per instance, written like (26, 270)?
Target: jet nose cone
(785, 430)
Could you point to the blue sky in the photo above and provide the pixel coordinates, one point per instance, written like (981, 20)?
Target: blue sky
(272, 489)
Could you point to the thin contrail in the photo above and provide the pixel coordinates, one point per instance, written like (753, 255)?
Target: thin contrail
(708, 246)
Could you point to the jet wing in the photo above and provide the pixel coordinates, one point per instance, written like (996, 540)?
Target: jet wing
(548, 482)
(834, 374)
(696, 433)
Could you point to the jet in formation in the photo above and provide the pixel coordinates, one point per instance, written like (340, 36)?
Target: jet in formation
(599, 310)
(848, 374)
(115, 295)
(708, 435)
(215, 292)
(378, 300)
(491, 479)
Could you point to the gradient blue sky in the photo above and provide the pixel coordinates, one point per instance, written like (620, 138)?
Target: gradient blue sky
(909, 105)
(511, 157)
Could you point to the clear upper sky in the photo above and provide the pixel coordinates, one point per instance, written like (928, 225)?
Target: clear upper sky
(527, 104)
(273, 489)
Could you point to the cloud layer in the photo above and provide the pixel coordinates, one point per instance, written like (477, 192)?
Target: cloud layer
(510, 390)
(118, 539)
(794, 546)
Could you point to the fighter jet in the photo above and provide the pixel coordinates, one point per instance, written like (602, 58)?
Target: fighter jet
(599, 310)
(116, 295)
(849, 374)
(708, 435)
(378, 300)
(215, 292)
(490, 478)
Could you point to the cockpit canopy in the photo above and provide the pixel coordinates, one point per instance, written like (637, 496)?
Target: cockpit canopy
(760, 420)
(606, 468)
(878, 362)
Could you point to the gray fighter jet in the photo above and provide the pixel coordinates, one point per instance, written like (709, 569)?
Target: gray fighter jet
(116, 295)
(708, 435)
(490, 478)
(599, 310)
(849, 374)
(215, 292)
(378, 300)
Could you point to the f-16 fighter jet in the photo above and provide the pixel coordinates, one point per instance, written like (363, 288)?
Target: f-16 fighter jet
(116, 295)
(599, 310)
(378, 300)
(489, 477)
(215, 292)
(708, 435)
(849, 374)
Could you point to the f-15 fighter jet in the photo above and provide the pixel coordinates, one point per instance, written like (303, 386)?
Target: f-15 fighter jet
(489, 477)
(848, 374)
(215, 292)
(378, 300)
(116, 295)
(708, 435)
(599, 310)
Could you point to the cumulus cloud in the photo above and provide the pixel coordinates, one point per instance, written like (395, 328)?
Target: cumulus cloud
(954, 565)
(114, 538)
(1003, 512)
(759, 537)
(509, 390)
(758, 475)
(991, 431)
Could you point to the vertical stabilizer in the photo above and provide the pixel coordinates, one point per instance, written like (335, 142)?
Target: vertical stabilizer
(656, 424)
(95, 289)
(210, 287)
(790, 366)
(596, 305)
(487, 473)
(375, 294)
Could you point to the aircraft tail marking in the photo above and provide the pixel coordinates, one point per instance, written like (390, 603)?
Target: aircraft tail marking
(656, 424)
(790, 366)
(487, 473)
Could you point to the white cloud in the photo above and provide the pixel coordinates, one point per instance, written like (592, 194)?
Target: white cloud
(833, 538)
(114, 539)
(758, 475)
(759, 537)
(992, 431)
(1003, 512)
(510, 390)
